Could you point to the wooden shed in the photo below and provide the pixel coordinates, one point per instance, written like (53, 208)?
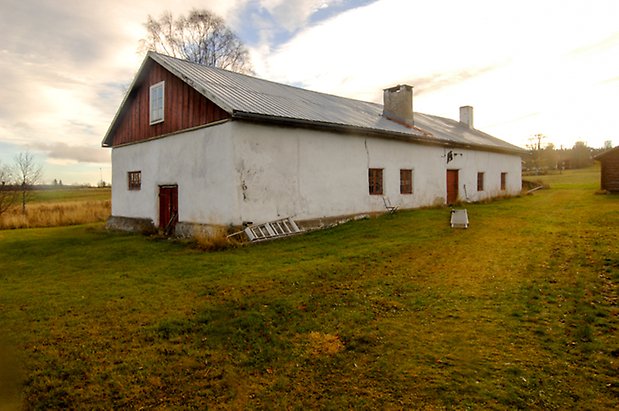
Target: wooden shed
(610, 169)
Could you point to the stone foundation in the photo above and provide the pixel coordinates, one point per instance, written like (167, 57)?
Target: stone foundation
(138, 225)
(189, 230)
(326, 222)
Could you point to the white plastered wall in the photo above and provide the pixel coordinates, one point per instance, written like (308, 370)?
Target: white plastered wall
(301, 173)
(197, 161)
(237, 171)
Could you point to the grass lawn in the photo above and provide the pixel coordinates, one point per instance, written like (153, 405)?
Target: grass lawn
(69, 193)
(397, 312)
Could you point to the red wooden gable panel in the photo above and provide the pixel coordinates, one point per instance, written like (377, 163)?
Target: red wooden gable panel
(184, 108)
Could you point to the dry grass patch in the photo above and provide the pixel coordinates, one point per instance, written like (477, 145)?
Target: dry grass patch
(215, 239)
(57, 214)
(323, 344)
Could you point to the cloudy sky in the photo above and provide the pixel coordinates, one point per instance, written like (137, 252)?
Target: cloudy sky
(527, 66)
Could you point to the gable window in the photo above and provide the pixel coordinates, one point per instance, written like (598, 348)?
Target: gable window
(503, 181)
(480, 181)
(156, 102)
(375, 179)
(406, 181)
(134, 179)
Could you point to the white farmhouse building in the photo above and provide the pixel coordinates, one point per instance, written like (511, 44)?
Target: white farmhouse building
(199, 145)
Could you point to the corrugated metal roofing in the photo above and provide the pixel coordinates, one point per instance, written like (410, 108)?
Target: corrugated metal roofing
(244, 96)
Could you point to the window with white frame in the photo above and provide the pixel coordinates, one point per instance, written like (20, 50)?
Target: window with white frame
(156, 102)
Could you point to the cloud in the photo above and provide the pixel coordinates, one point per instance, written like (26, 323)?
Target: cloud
(610, 42)
(363, 50)
(79, 154)
(293, 15)
(68, 63)
(610, 80)
(507, 59)
(65, 64)
(440, 80)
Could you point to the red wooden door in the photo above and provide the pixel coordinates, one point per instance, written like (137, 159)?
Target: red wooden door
(168, 208)
(452, 186)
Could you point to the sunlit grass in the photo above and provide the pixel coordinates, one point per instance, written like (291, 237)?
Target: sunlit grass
(399, 312)
(584, 178)
(57, 195)
(56, 214)
(60, 207)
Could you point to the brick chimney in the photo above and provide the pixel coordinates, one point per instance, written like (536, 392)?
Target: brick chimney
(398, 104)
(466, 116)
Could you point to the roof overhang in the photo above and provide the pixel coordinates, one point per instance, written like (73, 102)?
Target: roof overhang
(422, 137)
(606, 153)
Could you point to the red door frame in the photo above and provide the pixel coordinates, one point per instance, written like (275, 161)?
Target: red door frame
(452, 186)
(168, 207)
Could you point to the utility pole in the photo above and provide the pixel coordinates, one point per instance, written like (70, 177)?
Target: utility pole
(536, 149)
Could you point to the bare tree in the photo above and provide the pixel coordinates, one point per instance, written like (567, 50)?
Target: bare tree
(8, 194)
(27, 174)
(201, 37)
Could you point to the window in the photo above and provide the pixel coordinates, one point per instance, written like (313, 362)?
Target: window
(406, 181)
(156, 102)
(134, 179)
(503, 181)
(480, 181)
(375, 178)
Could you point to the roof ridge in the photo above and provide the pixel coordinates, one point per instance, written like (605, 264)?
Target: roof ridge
(248, 97)
(253, 77)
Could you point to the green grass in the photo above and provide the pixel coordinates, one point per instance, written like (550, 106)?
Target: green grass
(64, 194)
(584, 178)
(397, 312)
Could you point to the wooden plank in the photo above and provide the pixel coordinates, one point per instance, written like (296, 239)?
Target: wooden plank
(185, 108)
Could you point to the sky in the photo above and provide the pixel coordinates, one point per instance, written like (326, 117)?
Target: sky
(527, 67)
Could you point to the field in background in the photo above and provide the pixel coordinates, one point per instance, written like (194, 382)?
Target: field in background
(399, 312)
(59, 195)
(60, 207)
(583, 178)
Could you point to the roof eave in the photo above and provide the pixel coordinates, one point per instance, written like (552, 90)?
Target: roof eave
(162, 62)
(605, 153)
(108, 135)
(425, 138)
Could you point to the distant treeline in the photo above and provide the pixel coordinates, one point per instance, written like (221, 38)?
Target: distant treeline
(541, 160)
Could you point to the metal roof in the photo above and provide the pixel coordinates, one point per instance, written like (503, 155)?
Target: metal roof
(247, 97)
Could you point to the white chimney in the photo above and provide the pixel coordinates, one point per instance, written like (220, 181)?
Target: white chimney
(466, 116)
(398, 103)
